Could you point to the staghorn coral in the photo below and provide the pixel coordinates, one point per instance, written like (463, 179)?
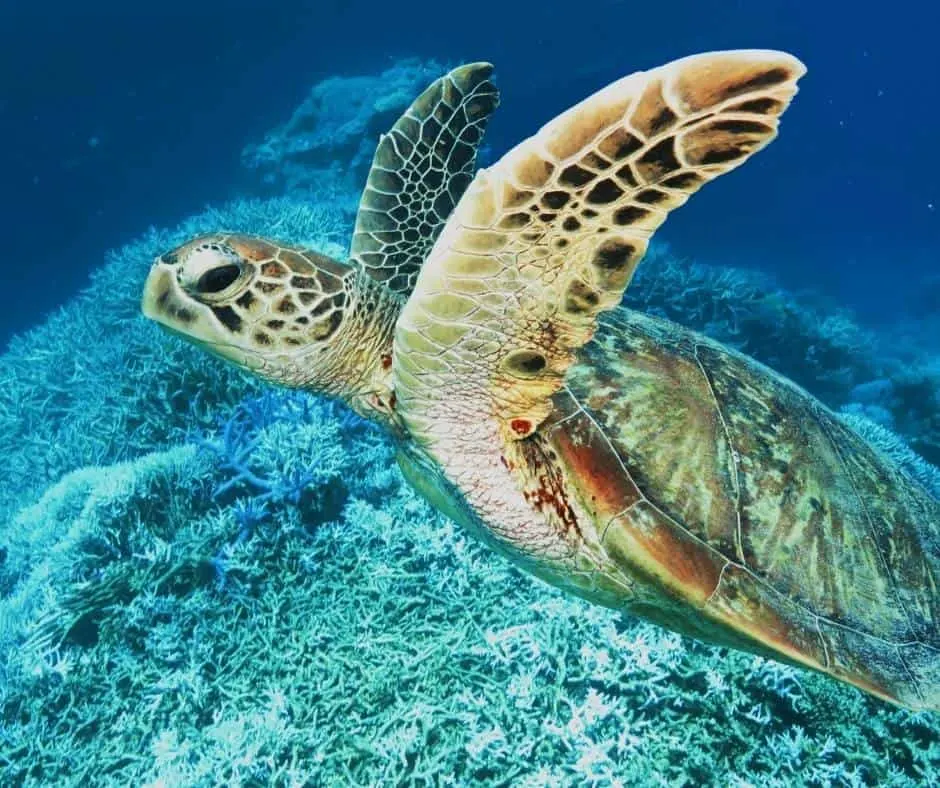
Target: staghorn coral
(387, 648)
(242, 590)
(96, 384)
(359, 637)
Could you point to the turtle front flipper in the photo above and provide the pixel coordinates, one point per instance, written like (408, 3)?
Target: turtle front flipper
(419, 172)
(549, 237)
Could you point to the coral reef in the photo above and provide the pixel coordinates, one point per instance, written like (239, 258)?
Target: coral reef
(377, 644)
(206, 581)
(328, 142)
(96, 384)
(270, 603)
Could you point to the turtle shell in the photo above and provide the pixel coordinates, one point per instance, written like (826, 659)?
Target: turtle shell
(740, 510)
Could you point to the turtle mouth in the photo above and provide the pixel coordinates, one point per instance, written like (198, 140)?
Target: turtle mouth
(161, 300)
(226, 351)
(167, 305)
(164, 302)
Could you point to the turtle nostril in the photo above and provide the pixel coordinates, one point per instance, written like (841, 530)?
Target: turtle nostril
(217, 279)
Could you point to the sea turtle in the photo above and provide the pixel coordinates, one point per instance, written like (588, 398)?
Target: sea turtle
(622, 457)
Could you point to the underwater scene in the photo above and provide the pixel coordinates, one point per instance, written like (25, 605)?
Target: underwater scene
(375, 412)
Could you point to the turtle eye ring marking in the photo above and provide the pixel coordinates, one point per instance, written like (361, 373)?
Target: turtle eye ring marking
(213, 273)
(215, 280)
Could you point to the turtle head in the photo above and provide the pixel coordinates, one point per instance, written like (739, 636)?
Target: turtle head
(293, 316)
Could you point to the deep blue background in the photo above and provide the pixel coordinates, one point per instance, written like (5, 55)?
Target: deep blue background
(113, 119)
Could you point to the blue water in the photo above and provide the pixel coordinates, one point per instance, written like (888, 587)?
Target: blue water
(115, 118)
(207, 581)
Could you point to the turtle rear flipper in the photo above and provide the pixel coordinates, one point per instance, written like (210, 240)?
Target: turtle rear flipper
(548, 237)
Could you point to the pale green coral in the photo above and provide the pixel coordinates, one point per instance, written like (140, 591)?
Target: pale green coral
(131, 388)
(57, 546)
(387, 648)
(357, 638)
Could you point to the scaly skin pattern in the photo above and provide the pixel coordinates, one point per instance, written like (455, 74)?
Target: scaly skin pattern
(688, 484)
(622, 458)
(548, 237)
(420, 169)
(292, 316)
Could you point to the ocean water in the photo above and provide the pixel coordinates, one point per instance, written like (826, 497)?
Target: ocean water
(206, 580)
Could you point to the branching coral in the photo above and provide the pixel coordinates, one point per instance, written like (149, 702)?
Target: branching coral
(269, 603)
(96, 384)
(387, 648)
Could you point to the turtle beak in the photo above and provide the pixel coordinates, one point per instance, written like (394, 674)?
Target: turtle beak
(164, 302)
(157, 290)
(167, 304)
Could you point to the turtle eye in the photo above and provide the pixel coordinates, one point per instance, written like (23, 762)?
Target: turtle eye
(212, 272)
(215, 280)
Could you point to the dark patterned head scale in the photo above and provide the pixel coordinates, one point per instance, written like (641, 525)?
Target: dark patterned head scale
(244, 296)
